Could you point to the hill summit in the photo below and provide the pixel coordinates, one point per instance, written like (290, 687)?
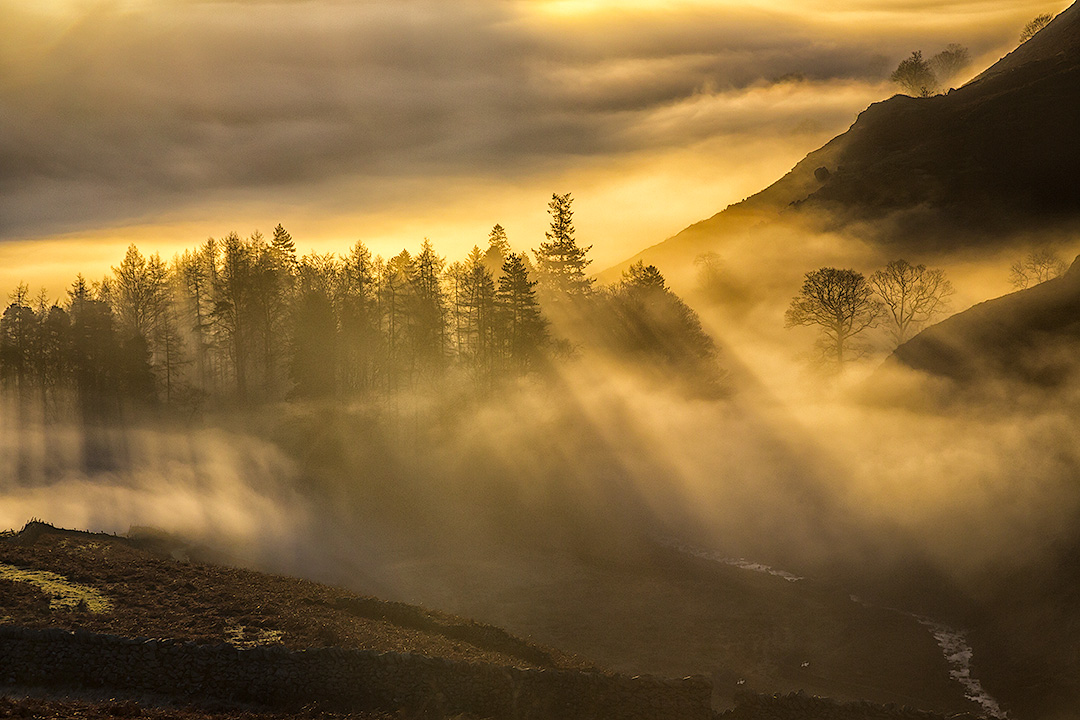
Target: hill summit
(968, 168)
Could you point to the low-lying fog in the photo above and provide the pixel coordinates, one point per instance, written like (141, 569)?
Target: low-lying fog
(481, 505)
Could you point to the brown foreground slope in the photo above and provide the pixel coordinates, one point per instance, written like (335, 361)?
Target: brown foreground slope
(116, 586)
(150, 594)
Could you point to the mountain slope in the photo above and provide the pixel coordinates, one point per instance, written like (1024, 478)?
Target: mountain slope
(996, 156)
(67, 579)
(707, 616)
(1030, 336)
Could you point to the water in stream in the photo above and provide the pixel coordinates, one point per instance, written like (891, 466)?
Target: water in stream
(953, 642)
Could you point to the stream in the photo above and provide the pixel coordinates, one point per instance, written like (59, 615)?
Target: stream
(954, 646)
(953, 642)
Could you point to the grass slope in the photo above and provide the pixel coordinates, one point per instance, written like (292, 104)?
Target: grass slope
(151, 595)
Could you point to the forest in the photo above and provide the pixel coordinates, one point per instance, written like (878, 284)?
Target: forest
(243, 321)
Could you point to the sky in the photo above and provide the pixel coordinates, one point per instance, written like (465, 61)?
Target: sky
(164, 122)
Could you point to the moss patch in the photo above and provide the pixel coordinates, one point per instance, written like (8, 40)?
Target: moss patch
(63, 594)
(244, 636)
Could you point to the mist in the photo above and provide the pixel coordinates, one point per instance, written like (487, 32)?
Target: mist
(574, 483)
(643, 461)
(129, 122)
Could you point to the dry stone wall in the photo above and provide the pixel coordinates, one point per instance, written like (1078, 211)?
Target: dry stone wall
(800, 706)
(340, 679)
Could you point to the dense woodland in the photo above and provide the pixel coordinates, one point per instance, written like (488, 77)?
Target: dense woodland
(247, 321)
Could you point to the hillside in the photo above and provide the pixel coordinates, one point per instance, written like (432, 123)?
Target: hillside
(1030, 336)
(106, 584)
(105, 596)
(95, 625)
(992, 158)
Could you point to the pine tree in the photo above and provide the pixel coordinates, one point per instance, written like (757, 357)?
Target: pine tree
(647, 319)
(170, 346)
(560, 262)
(360, 335)
(137, 292)
(234, 308)
(478, 303)
(272, 286)
(314, 364)
(18, 327)
(497, 251)
(94, 346)
(522, 329)
(395, 287)
(284, 249)
(55, 347)
(427, 312)
(191, 277)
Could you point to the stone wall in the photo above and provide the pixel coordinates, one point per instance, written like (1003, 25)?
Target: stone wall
(340, 679)
(800, 706)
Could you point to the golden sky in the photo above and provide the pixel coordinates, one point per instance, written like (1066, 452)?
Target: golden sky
(163, 122)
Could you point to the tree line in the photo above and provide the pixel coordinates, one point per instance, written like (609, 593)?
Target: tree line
(247, 320)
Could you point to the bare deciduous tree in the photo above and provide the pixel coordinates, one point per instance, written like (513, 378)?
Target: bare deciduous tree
(949, 63)
(840, 302)
(1039, 265)
(914, 75)
(1035, 25)
(911, 295)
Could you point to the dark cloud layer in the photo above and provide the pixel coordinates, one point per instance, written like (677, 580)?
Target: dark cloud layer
(117, 111)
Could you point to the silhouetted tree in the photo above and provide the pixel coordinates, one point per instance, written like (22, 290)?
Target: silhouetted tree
(141, 295)
(1039, 265)
(170, 346)
(497, 251)
(138, 292)
(272, 284)
(911, 294)
(194, 313)
(949, 63)
(134, 370)
(18, 329)
(361, 340)
(1035, 25)
(94, 347)
(915, 75)
(235, 311)
(719, 286)
(710, 276)
(840, 302)
(284, 249)
(476, 303)
(395, 287)
(427, 310)
(643, 279)
(314, 365)
(647, 319)
(54, 342)
(561, 262)
(522, 329)
(455, 282)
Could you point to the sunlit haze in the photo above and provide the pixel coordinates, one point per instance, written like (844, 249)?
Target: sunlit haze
(639, 359)
(167, 122)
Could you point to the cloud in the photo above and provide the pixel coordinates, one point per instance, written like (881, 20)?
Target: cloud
(112, 112)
